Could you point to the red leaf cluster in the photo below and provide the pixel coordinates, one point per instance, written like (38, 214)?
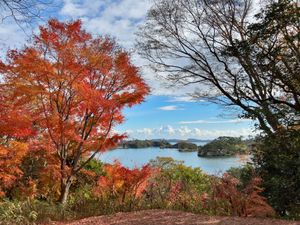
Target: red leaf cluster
(123, 183)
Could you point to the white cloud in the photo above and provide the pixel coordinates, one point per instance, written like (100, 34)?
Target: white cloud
(129, 131)
(117, 18)
(120, 19)
(11, 35)
(72, 8)
(214, 121)
(131, 9)
(169, 130)
(185, 132)
(145, 131)
(184, 98)
(170, 108)
(217, 133)
(76, 9)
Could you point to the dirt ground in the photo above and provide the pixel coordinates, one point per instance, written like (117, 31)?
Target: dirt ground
(165, 217)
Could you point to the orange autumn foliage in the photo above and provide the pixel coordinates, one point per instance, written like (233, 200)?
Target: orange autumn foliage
(122, 183)
(72, 87)
(16, 130)
(11, 156)
(42, 171)
(15, 120)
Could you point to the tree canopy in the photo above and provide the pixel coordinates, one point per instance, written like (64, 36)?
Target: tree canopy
(68, 89)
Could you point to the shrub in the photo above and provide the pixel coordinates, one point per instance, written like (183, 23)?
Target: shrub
(16, 213)
(176, 186)
(227, 199)
(122, 186)
(32, 211)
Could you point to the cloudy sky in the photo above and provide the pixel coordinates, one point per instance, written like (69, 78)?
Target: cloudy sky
(167, 112)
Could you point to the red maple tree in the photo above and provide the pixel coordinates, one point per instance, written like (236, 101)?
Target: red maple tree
(73, 88)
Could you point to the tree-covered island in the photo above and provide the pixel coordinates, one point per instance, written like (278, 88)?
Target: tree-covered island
(180, 145)
(221, 146)
(224, 146)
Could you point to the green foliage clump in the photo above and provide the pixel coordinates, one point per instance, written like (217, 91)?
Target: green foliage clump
(244, 174)
(95, 166)
(32, 212)
(89, 174)
(277, 159)
(16, 213)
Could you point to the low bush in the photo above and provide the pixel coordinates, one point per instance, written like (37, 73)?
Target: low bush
(227, 199)
(32, 211)
(16, 213)
(122, 186)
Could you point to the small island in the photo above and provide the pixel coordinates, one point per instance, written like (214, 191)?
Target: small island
(224, 146)
(182, 146)
(186, 146)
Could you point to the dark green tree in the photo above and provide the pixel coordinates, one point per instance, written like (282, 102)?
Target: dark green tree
(277, 161)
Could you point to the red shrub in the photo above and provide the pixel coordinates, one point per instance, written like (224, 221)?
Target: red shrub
(122, 183)
(227, 199)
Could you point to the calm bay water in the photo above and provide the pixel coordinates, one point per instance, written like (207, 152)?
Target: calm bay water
(138, 157)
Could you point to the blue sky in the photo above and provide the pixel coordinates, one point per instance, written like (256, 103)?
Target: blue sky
(162, 116)
(167, 112)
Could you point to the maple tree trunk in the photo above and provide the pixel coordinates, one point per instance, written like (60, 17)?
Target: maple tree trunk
(65, 187)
